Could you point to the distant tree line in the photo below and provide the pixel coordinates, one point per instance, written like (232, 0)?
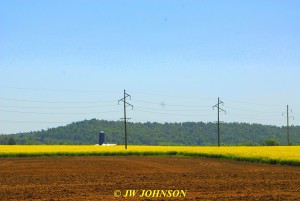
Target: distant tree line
(7, 139)
(186, 133)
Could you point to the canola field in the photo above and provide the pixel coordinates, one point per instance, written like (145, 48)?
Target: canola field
(289, 155)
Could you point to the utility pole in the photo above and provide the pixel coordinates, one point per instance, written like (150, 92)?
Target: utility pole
(287, 124)
(219, 109)
(125, 119)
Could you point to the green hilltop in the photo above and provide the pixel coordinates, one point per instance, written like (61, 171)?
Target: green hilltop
(186, 133)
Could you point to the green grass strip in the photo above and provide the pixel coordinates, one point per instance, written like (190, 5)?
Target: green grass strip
(149, 153)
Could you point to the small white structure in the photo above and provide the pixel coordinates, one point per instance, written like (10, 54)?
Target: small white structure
(106, 145)
(109, 144)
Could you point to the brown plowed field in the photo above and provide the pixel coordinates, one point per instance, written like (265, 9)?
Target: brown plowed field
(96, 178)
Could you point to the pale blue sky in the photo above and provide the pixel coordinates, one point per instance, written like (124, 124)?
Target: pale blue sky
(69, 60)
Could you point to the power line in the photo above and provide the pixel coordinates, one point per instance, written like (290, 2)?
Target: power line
(54, 107)
(11, 105)
(252, 103)
(171, 96)
(162, 109)
(172, 114)
(125, 119)
(21, 112)
(165, 105)
(254, 111)
(287, 123)
(219, 109)
(254, 115)
(44, 101)
(250, 117)
(59, 90)
(39, 122)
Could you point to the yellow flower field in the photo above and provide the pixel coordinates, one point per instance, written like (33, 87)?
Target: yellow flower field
(269, 154)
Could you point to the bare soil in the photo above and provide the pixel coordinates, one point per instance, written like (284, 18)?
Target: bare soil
(96, 178)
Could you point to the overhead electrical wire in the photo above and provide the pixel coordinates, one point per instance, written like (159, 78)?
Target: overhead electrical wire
(142, 106)
(41, 122)
(44, 101)
(61, 90)
(173, 114)
(253, 118)
(163, 109)
(165, 104)
(246, 110)
(55, 107)
(252, 103)
(21, 112)
(144, 109)
(171, 96)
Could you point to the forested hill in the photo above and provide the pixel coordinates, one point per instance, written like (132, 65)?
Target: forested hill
(187, 133)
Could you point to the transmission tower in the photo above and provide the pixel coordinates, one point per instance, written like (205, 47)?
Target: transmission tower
(125, 119)
(287, 123)
(222, 110)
